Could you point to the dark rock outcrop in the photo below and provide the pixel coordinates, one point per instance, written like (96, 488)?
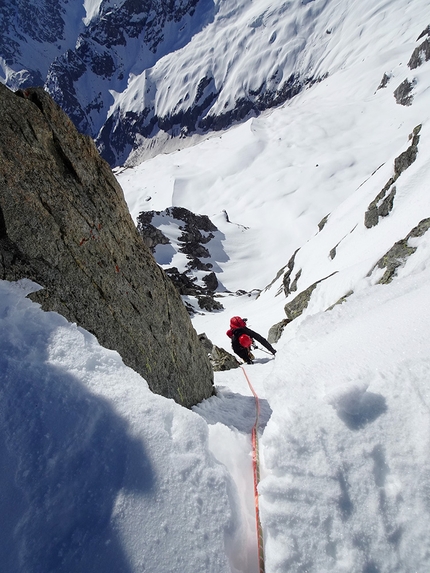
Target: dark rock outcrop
(219, 357)
(275, 331)
(381, 206)
(64, 223)
(403, 93)
(383, 203)
(289, 286)
(295, 308)
(420, 55)
(384, 82)
(399, 253)
(194, 233)
(298, 305)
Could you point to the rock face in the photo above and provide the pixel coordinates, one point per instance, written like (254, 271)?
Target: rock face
(404, 92)
(196, 235)
(399, 252)
(220, 359)
(382, 205)
(64, 223)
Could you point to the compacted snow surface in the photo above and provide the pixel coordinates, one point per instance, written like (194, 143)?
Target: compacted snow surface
(98, 474)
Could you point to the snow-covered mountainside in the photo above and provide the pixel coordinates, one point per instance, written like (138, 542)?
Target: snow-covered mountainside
(34, 33)
(322, 200)
(135, 75)
(331, 190)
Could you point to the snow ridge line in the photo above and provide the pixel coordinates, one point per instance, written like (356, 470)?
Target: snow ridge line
(256, 472)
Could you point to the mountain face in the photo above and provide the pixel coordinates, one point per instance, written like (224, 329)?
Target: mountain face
(137, 76)
(194, 236)
(34, 33)
(81, 52)
(131, 73)
(64, 224)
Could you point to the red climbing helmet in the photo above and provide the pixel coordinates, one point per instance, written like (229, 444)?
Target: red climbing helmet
(237, 322)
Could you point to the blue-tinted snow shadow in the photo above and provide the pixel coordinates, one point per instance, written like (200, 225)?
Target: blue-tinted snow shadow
(65, 455)
(371, 406)
(262, 360)
(234, 410)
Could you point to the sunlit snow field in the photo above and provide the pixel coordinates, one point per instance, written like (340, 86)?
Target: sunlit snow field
(99, 474)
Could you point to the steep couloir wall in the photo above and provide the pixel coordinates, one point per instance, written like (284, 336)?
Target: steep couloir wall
(64, 223)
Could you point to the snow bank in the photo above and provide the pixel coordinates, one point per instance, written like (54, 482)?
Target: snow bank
(347, 447)
(97, 473)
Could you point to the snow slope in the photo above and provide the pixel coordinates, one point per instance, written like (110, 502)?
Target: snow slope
(254, 54)
(99, 474)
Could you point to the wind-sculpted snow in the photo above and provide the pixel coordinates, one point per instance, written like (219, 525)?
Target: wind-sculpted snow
(348, 441)
(97, 473)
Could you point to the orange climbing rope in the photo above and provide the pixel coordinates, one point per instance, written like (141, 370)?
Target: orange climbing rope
(256, 472)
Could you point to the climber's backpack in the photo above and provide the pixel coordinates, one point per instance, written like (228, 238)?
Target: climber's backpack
(245, 340)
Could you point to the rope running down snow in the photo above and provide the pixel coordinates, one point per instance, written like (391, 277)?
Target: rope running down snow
(256, 472)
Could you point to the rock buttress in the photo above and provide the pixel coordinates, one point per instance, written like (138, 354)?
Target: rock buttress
(64, 223)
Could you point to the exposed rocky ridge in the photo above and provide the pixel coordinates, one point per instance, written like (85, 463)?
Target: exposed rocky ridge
(399, 253)
(194, 232)
(382, 205)
(394, 258)
(64, 223)
(403, 94)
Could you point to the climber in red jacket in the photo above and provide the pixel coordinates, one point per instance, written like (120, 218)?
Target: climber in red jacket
(242, 339)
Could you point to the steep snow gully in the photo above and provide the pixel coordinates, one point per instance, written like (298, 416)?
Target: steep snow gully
(98, 474)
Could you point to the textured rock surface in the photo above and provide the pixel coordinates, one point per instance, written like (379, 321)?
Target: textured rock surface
(219, 357)
(383, 203)
(295, 308)
(275, 332)
(399, 253)
(195, 232)
(64, 223)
